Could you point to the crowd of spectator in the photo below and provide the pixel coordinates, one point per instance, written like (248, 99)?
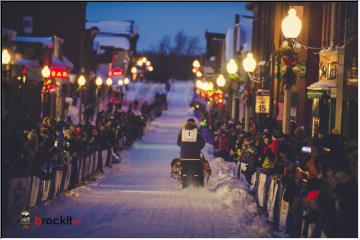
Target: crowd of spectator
(39, 149)
(319, 173)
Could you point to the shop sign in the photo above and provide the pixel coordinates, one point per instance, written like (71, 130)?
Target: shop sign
(262, 104)
(58, 73)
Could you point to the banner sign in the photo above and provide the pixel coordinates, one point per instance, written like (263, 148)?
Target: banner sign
(261, 189)
(68, 176)
(253, 181)
(35, 185)
(284, 209)
(58, 177)
(271, 201)
(80, 168)
(46, 188)
(96, 160)
(91, 168)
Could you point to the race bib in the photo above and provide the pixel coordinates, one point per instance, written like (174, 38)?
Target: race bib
(189, 135)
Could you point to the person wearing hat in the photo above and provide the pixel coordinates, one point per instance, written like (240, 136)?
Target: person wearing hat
(190, 142)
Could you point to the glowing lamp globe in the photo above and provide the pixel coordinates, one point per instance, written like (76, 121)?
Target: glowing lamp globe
(196, 64)
(81, 81)
(249, 63)
(126, 81)
(133, 70)
(198, 83)
(109, 81)
(120, 82)
(291, 25)
(220, 81)
(210, 86)
(232, 67)
(144, 59)
(98, 81)
(5, 57)
(45, 72)
(151, 68)
(199, 74)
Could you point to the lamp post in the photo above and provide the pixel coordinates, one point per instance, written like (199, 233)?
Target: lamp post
(45, 73)
(6, 85)
(220, 81)
(249, 64)
(81, 81)
(98, 82)
(291, 28)
(232, 69)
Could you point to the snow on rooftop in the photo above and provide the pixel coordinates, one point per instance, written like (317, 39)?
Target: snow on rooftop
(111, 41)
(119, 27)
(44, 40)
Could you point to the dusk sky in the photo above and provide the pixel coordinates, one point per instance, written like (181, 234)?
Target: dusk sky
(157, 19)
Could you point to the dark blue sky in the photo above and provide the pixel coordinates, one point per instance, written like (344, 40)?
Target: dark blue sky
(156, 19)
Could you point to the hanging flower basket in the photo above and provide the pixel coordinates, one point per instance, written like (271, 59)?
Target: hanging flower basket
(288, 79)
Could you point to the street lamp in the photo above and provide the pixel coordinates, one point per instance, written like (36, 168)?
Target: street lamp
(45, 72)
(133, 70)
(232, 67)
(291, 25)
(109, 81)
(291, 28)
(98, 81)
(126, 81)
(249, 63)
(81, 81)
(220, 81)
(120, 82)
(151, 68)
(199, 74)
(144, 59)
(5, 57)
(196, 64)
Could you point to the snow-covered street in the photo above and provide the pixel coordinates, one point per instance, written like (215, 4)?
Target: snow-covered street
(137, 198)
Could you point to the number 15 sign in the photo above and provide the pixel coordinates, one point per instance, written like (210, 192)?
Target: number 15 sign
(262, 104)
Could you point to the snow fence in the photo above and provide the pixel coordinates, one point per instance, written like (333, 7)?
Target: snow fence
(269, 193)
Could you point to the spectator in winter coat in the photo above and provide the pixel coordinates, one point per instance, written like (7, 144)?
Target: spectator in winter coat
(275, 143)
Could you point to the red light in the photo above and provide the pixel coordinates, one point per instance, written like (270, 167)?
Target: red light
(58, 73)
(312, 195)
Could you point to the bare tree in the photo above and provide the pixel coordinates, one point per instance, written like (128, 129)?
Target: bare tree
(180, 41)
(165, 45)
(193, 46)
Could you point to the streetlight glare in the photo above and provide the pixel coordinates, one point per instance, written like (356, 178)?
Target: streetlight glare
(199, 74)
(81, 81)
(140, 63)
(148, 63)
(133, 70)
(232, 67)
(5, 57)
(220, 81)
(45, 72)
(109, 81)
(126, 81)
(151, 68)
(98, 81)
(120, 82)
(291, 25)
(249, 63)
(196, 64)
(144, 59)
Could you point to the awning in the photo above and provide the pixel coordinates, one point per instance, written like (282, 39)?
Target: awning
(322, 85)
(48, 41)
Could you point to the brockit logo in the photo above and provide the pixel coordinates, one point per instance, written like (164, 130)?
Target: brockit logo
(25, 220)
(67, 220)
